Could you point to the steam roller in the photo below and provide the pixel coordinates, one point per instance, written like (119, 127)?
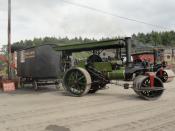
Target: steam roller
(95, 74)
(79, 81)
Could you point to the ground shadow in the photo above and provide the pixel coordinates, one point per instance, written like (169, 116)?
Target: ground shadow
(57, 128)
(117, 95)
(51, 89)
(30, 90)
(123, 96)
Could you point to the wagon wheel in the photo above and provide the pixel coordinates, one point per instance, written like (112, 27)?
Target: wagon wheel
(152, 94)
(57, 86)
(35, 86)
(164, 76)
(21, 84)
(77, 81)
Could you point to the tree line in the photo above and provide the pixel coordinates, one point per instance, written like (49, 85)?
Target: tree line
(166, 38)
(50, 40)
(153, 38)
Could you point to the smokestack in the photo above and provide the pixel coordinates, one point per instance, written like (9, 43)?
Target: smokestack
(128, 49)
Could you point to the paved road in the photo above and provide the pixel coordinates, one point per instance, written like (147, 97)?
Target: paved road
(114, 109)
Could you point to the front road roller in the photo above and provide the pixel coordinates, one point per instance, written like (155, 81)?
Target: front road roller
(77, 81)
(148, 87)
(166, 75)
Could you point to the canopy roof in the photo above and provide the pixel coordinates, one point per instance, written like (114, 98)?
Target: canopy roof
(107, 44)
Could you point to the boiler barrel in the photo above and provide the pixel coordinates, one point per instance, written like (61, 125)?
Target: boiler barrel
(116, 74)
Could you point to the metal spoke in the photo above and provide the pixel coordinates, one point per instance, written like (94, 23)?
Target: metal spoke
(81, 77)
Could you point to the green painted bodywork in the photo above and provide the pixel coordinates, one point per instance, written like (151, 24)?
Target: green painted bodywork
(106, 69)
(81, 64)
(103, 66)
(117, 74)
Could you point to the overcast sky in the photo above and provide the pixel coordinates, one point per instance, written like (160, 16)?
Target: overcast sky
(39, 18)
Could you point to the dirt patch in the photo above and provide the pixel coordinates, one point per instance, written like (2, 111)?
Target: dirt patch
(56, 128)
(113, 109)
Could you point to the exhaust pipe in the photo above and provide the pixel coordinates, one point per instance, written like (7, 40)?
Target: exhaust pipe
(128, 49)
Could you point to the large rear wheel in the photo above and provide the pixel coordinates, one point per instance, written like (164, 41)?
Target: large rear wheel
(77, 81)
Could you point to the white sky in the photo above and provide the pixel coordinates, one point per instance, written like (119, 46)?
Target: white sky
(39, 18)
